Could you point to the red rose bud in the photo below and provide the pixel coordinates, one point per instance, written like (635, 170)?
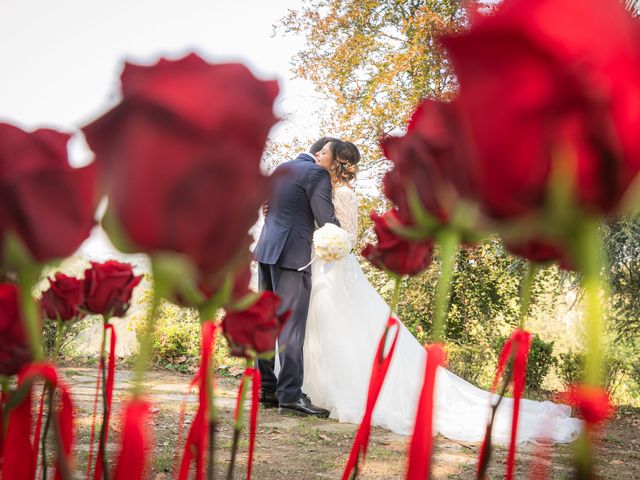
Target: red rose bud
(393, 253)
(14, 347)
(46, 202)
(201, 129)
(108, 287)
(63, 298)
(558, 98)
(255, 328)
(432, 158)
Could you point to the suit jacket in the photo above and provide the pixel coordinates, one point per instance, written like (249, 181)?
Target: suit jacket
(301, 200)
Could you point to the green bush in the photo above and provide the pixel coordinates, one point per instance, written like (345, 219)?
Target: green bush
(176, 341)
(571, 369)
(474, 363)
(71, 330)
(541, 359)
(539, 363)
(635, 373)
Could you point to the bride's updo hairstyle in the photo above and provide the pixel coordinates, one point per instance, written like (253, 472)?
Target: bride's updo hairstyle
(345, 162)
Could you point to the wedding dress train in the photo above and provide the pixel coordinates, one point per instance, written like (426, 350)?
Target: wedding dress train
(346, 319)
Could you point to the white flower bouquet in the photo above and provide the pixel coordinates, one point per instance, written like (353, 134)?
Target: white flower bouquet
(332, 243)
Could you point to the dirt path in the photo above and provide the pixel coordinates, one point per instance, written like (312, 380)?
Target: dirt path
(306, 448)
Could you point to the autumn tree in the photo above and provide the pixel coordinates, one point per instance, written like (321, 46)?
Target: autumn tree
(374, 60)
(633, 6)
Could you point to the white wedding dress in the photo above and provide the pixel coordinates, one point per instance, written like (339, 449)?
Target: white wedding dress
(346, 320)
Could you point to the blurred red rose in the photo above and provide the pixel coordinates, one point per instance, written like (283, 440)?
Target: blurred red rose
(209, 284)
(255, 328)
(432, 158)
(14, 348)
(593, 403)
(393, 253)
(548, 84)
(541, 251)
(181, 157)
(63, 298)
(49, 204)
(108, 287)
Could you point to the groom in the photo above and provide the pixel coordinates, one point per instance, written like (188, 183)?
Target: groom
(302, 199)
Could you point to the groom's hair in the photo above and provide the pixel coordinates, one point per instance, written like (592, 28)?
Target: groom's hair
(317, 146)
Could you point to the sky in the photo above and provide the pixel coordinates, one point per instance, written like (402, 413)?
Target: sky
(61, 60)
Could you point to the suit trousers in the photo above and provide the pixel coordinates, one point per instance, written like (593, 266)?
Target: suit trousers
(294, 288)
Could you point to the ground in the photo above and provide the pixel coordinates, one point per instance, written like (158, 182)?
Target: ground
(306, 448)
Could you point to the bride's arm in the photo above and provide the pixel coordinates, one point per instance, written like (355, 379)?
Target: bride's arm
(346, 205)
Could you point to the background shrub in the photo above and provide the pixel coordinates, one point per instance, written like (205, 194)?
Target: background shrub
(475, 363)
(571, 370)
(71, 330)
(539, 363)
(176, 342)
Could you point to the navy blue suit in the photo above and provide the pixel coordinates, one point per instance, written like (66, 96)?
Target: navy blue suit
(301, 200)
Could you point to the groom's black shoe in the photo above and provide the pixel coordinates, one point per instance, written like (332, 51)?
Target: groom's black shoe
(268, 399)
(303, 407)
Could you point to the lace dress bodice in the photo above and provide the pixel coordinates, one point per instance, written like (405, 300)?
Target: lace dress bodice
(345, 203)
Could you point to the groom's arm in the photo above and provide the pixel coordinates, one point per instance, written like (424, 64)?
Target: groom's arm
(320, 198)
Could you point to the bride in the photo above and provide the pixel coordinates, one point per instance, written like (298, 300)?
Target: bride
(346, 319)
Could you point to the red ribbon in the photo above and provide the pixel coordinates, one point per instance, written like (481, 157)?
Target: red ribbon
(36, 435)
(516, 346)
(422, 439)
(111, 371)
(378, 373)
(541, 462)
(196, 443)
(254, 374)
(135, 444)
(253, 418)
(3, 399)
(93, 420)
(183, 411)
(19, 458)
(66, 427)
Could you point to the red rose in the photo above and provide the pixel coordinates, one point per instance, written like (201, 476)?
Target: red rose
(49, 204)
(181, 157)
(208, 285)
(255, 328)
(541, 251)
(108, 287)
(393, 253)
(240, 288)
(63, 298)
(432, 158)
(14, 347)
(548, 81)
